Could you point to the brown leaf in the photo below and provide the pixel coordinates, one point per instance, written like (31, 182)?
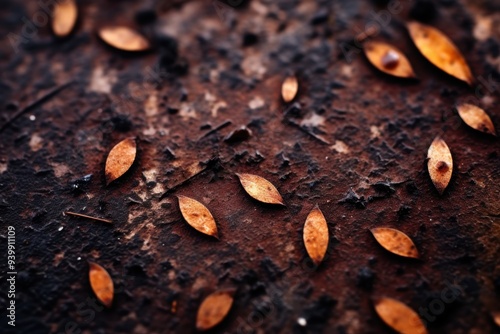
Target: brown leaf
(260, 189)
(289, 88)
(124, 38)
(395, 241)
(101, 284)
(439, 164)
(388, 59)
(496, 317)
(316, 235)
(440, 51)
(214, 309)
(65, 15)
(399, 317)
(120, 158)
(476, 118)
(198, 216)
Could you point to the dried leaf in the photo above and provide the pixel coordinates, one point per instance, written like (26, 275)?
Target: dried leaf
(476, 118)
(101, 284)
(120, 158)
(124, 38)
(496, 317)
(439, 164)
(388, 59)
(440, 51)
(260, 189)
(316, 235)
(289, 88)
(395, 241)
(399, 317)
(214, 309)
(198, 216)
(65, 15)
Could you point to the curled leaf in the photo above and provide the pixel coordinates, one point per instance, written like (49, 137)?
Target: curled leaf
(101, 284)
(65, 15)
(214, 309)
(316, 235)
(260, 189)
(440, 51)
(289, 88)
(388, 59)
(399, 316)
(395, 241)
(439, 164)
(198, 216)
(124, 38)
(120, 158)
(476, 118)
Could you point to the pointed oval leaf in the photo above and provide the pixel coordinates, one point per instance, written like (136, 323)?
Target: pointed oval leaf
(440, 51)
(398, 316)
(476, 118)
(439, 164)
(214, 309)
(124, 38)
(289, 88)
(198, 216)
(65, 15)
(120, 158)
(395, 241)
(260, 189)
(101, 284)
(388, 59)
(316, 235)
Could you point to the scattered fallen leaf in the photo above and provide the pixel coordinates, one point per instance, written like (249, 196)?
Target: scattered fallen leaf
(198, 216)
(395, 241)
(316, 235)
(65, 15)
(440, 51)
(476, 118)
(214, 309)
(260, 189)
(439, 164)
(101, 284)
(120, 158)
(289, 88)
(388, 59)
(124, 38)
(496, 317)
(398, 316)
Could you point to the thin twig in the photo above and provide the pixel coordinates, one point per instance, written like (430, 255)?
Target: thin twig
(306, 130)
(89, 217)
(174, 187)
(214, 130)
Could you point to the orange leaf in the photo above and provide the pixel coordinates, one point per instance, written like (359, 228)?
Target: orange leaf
(120, 159)
(101, 284)
(316, 235)
(198, 216)
(440, 51)
(395, 241)
(214, 309)
(124, 38)
(388, 59)
(476, 118)
(65, 15)
(260, 189)
(399, 317)
(440, 164)
(289, 88)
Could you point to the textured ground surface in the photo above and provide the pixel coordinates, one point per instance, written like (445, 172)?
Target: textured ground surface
(360, 155)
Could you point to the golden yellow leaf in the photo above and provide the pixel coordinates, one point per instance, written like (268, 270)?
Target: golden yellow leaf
(476, 118)
(316, 235)
(289, 88)
(65, 15)
(439, 164)
(101, 284)
(260, 189)
(214, 309)
(399, 317)
(395, 241)
(440, 51)
(120, 158)
(388, 59)
(124, 38)
(198, 216)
